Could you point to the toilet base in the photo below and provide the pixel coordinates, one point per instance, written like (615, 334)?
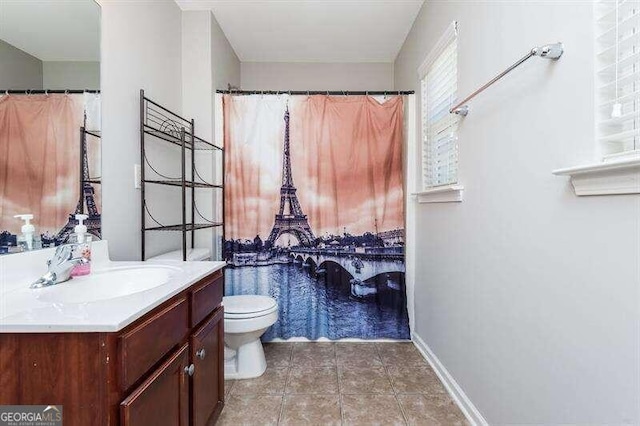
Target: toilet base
(247, 362)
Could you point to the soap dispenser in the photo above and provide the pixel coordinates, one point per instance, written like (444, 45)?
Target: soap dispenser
(26, 239)
(82, 247)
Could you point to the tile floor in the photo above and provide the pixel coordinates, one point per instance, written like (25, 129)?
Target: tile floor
(341, 384)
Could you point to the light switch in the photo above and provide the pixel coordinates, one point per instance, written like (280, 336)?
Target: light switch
(137, 176)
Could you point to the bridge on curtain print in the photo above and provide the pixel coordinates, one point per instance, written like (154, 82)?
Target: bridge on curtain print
(362, 266)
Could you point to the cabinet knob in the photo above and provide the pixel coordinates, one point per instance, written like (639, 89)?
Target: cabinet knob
(190, 369)
(201, 353)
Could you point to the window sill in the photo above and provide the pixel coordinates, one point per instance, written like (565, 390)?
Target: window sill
(606, 178)
(441, 194)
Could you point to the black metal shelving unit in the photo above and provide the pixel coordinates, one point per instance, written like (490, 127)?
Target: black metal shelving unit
(84, 170)
(161, 125)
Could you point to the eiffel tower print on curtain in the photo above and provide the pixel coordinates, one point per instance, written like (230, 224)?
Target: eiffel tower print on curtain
(94, 220)
(290, 219)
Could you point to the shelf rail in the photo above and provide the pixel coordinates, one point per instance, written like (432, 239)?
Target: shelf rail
(550, 51)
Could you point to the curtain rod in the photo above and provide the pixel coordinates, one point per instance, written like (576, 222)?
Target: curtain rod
(317, 92)
(45, 91)
(550, 51)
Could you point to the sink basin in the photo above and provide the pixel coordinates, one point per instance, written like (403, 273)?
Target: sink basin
(108, 284)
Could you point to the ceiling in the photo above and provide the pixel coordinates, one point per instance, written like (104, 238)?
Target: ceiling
(313, 30)
(52, 30)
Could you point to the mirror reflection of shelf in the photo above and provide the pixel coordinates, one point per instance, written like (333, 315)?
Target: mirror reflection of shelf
(188, 184)
(95, 133)
(187, 227)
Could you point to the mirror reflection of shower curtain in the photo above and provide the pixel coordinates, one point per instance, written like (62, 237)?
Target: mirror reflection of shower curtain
(314, 212)
(39, 157)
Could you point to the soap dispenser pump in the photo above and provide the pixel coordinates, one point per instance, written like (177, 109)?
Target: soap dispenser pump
(80, 229)
(82, 247)
(27, 231)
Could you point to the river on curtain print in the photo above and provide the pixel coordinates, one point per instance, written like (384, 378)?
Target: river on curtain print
(314, 212)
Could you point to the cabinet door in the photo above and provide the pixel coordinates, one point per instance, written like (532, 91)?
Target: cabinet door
(162, 399)
(207, 353)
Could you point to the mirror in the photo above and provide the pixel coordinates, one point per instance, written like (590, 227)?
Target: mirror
(49, 121)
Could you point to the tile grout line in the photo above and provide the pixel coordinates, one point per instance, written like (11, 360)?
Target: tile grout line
(227, 393)
(282, 395)
(393, 388)
(286, 383)
(404, 415)
(335, 353)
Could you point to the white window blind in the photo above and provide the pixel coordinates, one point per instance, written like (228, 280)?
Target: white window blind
(618, 76)
(439, 85)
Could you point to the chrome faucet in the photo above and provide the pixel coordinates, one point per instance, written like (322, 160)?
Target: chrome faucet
(60, 266)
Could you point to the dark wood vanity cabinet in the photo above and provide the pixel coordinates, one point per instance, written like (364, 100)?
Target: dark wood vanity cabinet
(166, 368)
(207, 351)
(163, 399)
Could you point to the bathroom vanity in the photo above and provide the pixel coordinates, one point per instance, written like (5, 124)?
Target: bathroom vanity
(154, 357)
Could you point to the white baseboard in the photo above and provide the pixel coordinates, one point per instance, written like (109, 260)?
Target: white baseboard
(457, 394)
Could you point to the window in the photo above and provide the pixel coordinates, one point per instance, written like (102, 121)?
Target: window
(617, 63)
(439, 84)
(618, 77)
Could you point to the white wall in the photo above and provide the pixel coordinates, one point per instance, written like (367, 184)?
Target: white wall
(208, 62)
(141, 49)
(18, 69)
(226, 66)
(526, 293)
(226, 69)
(197, 75)
(316, 76)
(71, 75)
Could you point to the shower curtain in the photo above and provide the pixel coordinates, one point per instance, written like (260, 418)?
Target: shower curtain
(314, 212)
(40, 155)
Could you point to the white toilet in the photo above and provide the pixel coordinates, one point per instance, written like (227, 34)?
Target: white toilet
(246, 318)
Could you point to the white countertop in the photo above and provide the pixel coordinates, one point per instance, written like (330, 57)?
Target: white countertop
(24, 310)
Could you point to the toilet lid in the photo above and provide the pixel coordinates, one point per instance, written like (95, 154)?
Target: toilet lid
(247, 304)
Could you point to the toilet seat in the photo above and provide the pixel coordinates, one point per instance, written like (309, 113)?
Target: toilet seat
(248, 306)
